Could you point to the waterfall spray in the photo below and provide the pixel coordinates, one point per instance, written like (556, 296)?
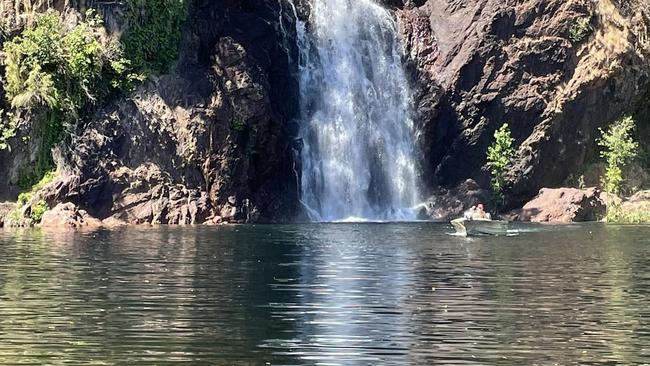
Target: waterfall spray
(359, 151)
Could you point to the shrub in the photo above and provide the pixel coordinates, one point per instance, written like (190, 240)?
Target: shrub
(25, 197)
(154, 33)
(38, 210)
(616, 214)
(49, 66)
(238, 124)
(618, 148)
(47, 179)
(580, 30)
(499, 159)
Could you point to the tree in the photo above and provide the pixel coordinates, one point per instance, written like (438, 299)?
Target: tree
(618, 148)
(499, 159)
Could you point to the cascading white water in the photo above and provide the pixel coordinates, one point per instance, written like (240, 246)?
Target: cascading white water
(359, 152)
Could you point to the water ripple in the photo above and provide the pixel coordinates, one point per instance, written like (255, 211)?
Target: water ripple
(356, 294)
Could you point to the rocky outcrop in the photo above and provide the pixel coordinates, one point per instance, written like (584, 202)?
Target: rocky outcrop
(211, 142)
(480, 63)
(68, 216)
(563, 205)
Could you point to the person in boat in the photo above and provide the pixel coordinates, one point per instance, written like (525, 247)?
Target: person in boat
(480, 214)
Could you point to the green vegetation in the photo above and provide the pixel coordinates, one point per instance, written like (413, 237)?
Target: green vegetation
(57, 75)
(617, 214)
(7, 128)
(154, 33)
(499, 160)
(50, 67)
(580, 30)
(238, 124)
(52, 131)
(576, 180)
(25, 197)
(618, 148)
(38, 210)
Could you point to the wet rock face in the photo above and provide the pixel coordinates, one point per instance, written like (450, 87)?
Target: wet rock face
(563, 205)
(477, 64)
(210, 142)
(250, 47)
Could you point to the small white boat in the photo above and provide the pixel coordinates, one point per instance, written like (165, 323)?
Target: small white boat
(467, 227)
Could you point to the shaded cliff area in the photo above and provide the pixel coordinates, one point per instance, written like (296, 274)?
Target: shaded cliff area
(215, 139)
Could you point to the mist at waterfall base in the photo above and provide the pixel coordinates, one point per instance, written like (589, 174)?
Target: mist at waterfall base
(358, 156)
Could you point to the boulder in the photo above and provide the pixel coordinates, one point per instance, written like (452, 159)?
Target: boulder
(68, 216)
(563, 205)
(610, 199)
(112, 223)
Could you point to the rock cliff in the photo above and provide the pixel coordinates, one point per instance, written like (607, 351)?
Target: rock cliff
(215, 140)
(212, 141)
(555, 70)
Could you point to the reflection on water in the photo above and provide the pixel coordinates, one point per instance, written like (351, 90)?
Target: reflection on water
(360, 294)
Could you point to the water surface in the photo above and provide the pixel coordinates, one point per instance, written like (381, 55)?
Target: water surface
(330, 294)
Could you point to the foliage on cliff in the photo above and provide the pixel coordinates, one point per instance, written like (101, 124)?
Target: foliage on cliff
(53, 67)
(56, 74)
(618, 148)
(580, 30)
(154, 33)
(499, 159)
(38, 209)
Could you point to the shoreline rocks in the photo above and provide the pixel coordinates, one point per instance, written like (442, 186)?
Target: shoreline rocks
(562, 205)
(68, 216)
(639, 202)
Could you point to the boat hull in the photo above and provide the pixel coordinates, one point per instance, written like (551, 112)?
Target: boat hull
(466, 227)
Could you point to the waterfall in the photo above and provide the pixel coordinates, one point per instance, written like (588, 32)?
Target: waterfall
(358, 137)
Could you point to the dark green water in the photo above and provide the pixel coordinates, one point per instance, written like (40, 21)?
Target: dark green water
(348, 294)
